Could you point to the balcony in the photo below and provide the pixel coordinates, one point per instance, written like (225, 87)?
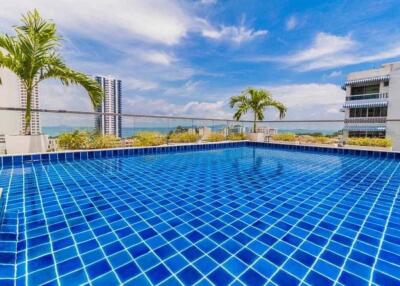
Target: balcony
(367, 120)
(367, 96)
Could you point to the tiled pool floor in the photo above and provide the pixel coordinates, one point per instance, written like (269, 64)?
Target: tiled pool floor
(229, 216)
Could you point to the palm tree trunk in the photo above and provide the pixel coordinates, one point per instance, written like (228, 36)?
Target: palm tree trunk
(27, 130)
(255, 124)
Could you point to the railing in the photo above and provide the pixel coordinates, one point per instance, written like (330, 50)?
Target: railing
(367, 96)
(365, 120)
(55, 122)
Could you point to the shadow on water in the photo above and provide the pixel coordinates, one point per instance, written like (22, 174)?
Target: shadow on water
(256, 174)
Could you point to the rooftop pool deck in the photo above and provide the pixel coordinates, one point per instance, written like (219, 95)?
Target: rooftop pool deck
(213, 214)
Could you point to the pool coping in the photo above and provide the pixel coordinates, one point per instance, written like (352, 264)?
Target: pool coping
(75, 155)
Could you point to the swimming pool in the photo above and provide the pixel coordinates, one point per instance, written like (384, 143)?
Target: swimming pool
(239, 215)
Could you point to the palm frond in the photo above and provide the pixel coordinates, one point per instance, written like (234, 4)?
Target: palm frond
(32, 54)
(256, 100)
(68, 76)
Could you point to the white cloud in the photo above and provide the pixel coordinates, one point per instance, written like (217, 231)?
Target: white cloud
(211, 109)
(298, 95)
(232, 33)
(208, 2)
(187, 89)
(334, 74)
(160, 21)
(322, 46)
(139, 84)
(329, 51)
(310, 101)
(291, 23)
(156, 57)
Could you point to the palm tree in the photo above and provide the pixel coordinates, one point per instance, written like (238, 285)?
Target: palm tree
(255, 100)
(32, 54)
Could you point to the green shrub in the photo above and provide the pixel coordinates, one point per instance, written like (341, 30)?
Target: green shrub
(85, 140)
(284, 137)
(374, 142)
(74, 140)
(104, 141)
(184, 137)
(236, 136)
(315, 139)
(215, 137)
(149, 139)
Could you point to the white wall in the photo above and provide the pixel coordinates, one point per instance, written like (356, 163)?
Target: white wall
(393, 128)
(10, 121)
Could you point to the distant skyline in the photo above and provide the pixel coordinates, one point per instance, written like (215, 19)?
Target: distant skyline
(188, 57)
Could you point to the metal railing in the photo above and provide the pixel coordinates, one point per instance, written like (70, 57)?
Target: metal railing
(365, 120)
(56, 122)
(367, 96)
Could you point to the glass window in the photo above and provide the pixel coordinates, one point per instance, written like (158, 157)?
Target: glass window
(372, 88)
(370, 112)
(363, 112)
(384, 111)
(357, 90)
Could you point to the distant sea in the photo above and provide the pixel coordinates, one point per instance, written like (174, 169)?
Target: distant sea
(130, 131)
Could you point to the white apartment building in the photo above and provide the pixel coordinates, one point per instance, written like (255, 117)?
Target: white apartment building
(107, 124)
(372, 106)
(13, 94)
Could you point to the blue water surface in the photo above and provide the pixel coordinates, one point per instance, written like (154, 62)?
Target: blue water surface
(234, 216)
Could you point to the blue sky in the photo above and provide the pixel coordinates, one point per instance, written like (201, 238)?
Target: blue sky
(189, 57)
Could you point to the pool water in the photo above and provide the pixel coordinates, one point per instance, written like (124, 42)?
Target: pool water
(233, 216)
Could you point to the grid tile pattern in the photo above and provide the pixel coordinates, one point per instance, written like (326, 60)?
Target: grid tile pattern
(232, 216)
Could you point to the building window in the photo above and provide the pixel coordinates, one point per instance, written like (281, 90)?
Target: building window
(370, 134)
(386, 83)
(368, 112)
(357, 90)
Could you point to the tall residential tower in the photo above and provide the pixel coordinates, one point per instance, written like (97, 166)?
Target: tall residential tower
(372, 107)
(13, 94)
(108, 124)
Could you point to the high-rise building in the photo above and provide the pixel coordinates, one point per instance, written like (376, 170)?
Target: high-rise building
(372, 106)
(35, 117)
(13, 94)
(110, 124)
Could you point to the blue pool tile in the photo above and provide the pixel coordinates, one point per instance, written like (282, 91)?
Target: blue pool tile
(347, 278)
(176, 263)
(315, 278)
(138, 250)
(158, 274)
(127, 271)
(220, 277)
(246, 256)
(275, 257)
(219, 255)
(251, 277)
(98, 268)
(283, 278)
(147, 261)
(189, 275)
(165, 251)
(192, 253)
(205, 265)
(385, 280)
(245, 211)
(69, 265)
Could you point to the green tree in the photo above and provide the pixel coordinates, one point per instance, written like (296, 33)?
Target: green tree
(255, 100)
(32, 54)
